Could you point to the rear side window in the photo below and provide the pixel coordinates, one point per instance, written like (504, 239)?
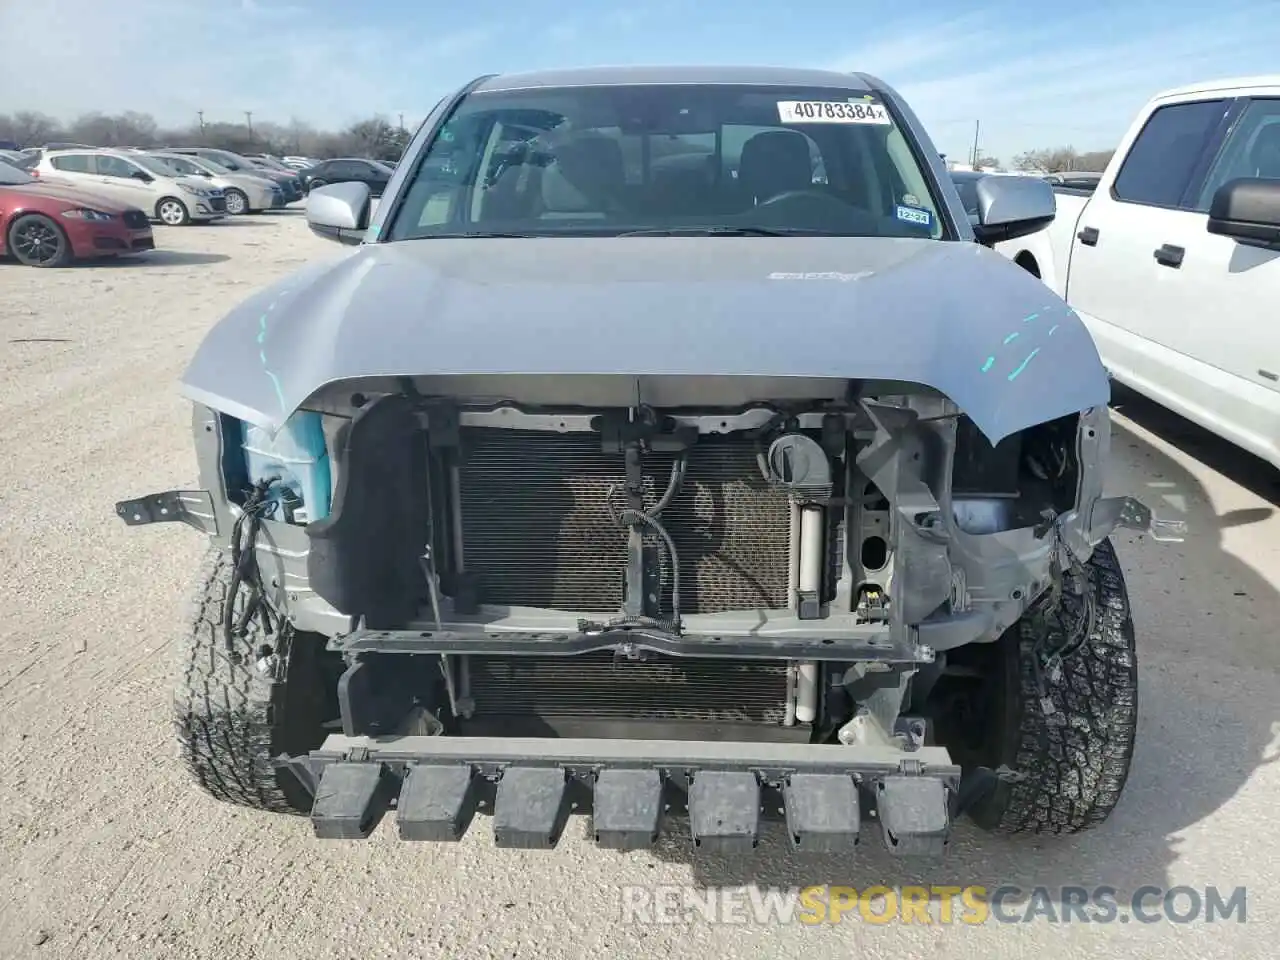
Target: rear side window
(109, 166)
(1164, 156)
(72, 163)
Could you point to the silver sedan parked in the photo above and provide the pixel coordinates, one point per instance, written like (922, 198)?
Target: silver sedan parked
(245, 193)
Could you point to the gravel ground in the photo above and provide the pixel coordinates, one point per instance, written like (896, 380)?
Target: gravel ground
(107, 851)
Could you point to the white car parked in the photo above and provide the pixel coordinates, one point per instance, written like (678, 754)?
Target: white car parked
(137, 180)
(1173, 260)
(244, 193)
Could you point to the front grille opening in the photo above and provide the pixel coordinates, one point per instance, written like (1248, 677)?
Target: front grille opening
(537, 531)
(602, 686)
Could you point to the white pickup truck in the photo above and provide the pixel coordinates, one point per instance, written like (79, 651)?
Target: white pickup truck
(1173, 260)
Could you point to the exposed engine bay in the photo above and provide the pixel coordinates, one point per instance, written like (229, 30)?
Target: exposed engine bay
(775, 570)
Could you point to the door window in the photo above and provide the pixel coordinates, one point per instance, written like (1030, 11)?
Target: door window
(183, 166)
(114, 167)
(1251, 150)
(71, 163)
(1165, 154)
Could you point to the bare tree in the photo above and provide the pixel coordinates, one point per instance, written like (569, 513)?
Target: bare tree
(376, 138)
(1053, 160)
(1095, 161)
(984, 162)
(1062, 160)
(29, 128)
(129, 129)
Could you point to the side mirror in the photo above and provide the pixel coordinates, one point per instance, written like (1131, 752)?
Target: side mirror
(1247, 210)
(1012, 207)
(339, 211)
(141, 175)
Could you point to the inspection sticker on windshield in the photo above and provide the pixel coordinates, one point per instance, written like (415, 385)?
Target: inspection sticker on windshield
(832, 111)
(915, 215)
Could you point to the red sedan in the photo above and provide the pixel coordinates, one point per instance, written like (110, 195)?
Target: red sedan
(47, 225)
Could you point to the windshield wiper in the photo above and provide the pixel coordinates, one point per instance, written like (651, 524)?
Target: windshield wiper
(727, 232)
(482, 235)
(649, 232)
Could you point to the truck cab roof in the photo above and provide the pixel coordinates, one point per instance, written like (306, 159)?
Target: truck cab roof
(1227, 84)
(625, 75)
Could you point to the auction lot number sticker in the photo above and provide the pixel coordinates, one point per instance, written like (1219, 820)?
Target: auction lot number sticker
(832, 111)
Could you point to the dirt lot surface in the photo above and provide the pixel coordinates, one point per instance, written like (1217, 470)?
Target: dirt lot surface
(106, 850)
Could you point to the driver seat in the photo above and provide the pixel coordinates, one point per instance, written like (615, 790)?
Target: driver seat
(773, 163)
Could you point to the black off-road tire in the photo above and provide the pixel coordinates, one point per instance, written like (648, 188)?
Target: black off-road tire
(1068, 776)
(232, 719)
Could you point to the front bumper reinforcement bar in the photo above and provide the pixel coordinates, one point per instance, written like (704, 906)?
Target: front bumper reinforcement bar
(629, 641)
(631, 789)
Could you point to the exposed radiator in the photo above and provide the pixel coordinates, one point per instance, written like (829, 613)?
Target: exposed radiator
(599, 687)
(537, 532)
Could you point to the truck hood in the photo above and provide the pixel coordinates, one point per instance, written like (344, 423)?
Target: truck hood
(954, 316)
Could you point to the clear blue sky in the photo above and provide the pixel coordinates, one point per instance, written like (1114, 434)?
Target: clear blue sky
(1034, 73)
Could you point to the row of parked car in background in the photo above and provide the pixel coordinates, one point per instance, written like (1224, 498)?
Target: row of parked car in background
(66, 201)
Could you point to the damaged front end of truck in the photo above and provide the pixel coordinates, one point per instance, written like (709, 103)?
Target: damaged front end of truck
(642, 597)
(684, 491)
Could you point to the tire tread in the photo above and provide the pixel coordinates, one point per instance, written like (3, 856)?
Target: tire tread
(229, 717)
(1073, 773)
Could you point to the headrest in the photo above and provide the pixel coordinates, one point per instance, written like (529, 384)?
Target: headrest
(775, 162)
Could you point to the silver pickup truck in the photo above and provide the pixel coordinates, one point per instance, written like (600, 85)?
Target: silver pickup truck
(670, 448)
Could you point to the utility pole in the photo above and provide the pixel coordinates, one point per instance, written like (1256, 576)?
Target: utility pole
(248, 119)
(977, 124)
(402, 123)
(200, 117)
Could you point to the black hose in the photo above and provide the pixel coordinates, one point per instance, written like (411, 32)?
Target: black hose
(628, 516)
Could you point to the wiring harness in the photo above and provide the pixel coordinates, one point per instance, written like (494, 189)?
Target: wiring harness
(245, 574)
